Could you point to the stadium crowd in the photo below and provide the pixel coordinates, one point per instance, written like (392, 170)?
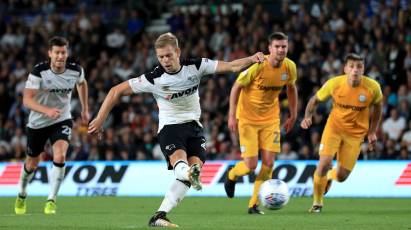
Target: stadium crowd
(111, 41)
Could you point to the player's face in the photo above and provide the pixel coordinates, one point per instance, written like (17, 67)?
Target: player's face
(169, 58)
(278, 49)
(354, 70)
(58, 57)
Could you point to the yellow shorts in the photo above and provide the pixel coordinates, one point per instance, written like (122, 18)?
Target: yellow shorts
(346, 147)
(255, 137)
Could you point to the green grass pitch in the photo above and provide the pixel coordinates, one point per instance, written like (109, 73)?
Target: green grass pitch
(208, 213)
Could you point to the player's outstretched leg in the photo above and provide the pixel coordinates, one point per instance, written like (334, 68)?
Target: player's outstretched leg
(229, 186)
(331, 175)
(20, 205)
(50, 207)
(240, 169)
(160, 220)
(194, 176)
(328, 186)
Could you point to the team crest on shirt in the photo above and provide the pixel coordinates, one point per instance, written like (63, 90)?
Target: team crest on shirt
(284, 77)
(362, 98)
(48, 82)
(191, 78)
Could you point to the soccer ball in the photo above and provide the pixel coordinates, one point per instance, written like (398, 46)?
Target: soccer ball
(273, 194)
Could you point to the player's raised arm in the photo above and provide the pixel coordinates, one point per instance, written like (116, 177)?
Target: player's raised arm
(122, 89)
(239, 64)
(309, 111)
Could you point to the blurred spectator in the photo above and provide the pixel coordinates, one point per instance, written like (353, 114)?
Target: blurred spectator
(287, 153)
(406, 138)
(390, 152)
(404, 154)
(394, 125)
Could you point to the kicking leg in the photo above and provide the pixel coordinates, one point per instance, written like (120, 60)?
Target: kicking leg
(175, 193)
(242, 168)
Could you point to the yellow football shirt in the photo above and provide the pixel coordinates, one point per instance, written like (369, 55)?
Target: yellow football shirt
(262, 83)
(351, 105)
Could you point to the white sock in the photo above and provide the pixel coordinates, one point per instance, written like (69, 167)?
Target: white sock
(25, 178)
(181, 170)
(57, 175)
(174, 195)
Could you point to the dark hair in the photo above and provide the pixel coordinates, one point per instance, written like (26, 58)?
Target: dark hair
(57, 41)
(277, 36)
(353, 57)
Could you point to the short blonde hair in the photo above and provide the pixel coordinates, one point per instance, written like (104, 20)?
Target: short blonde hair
(166, 39)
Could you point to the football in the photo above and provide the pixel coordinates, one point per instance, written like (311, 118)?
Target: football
(273, 194)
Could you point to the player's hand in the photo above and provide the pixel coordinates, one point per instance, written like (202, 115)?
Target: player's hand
(306, 122)
(289, 124)
(96, 127)
(85, 117)
(258, 57)
(372, 140)
(53, 113)
(232, 124)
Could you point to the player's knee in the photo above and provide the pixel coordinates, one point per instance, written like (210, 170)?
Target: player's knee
(59, 158)
(252, 166)
(31, 164)
(30, 167)
(341, 177)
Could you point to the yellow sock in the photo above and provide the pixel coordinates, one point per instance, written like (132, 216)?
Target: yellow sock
(332, 174)
(263, 175)
(319, 188)
(240, 169)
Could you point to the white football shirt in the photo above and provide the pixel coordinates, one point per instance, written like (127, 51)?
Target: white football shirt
(176, 93)
(54, 91)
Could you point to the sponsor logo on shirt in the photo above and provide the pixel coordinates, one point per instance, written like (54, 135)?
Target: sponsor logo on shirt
(352, 107)
(269, 88)
(62, 91)
(186, 92)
